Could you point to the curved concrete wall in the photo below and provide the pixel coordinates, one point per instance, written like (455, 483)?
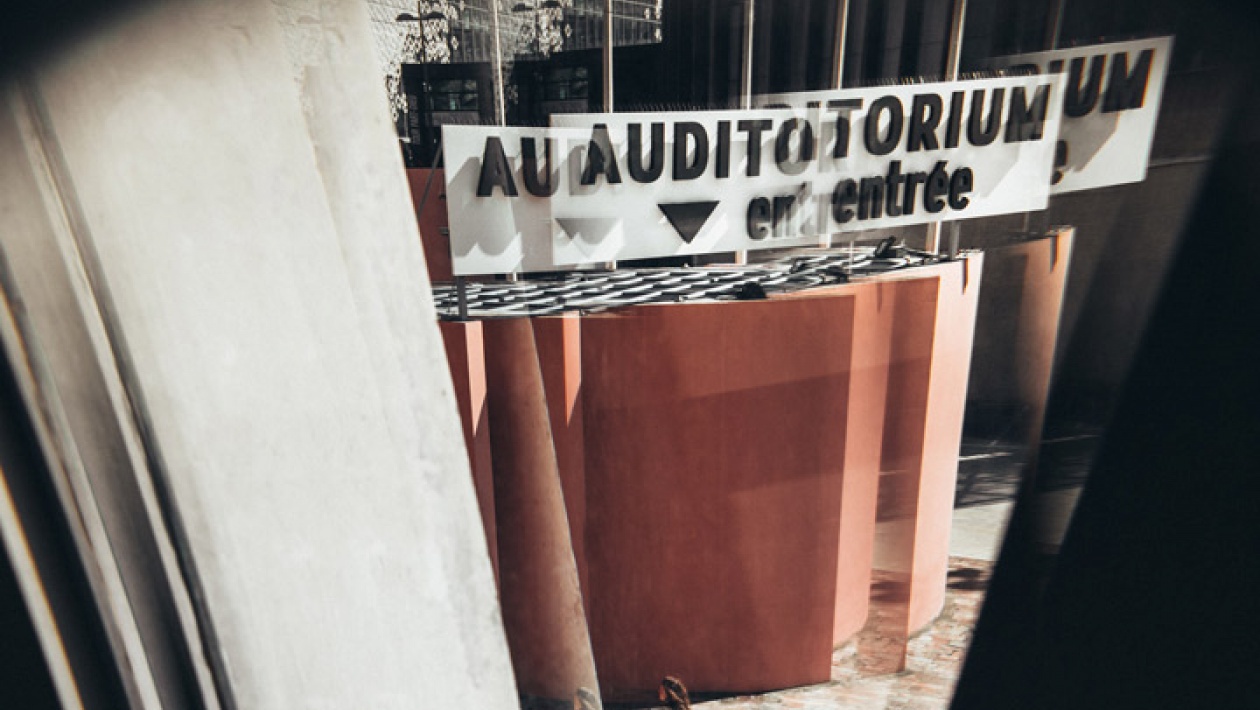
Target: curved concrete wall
(720, 464)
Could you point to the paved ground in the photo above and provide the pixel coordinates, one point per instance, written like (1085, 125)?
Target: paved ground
(934, 658)
(989, 475)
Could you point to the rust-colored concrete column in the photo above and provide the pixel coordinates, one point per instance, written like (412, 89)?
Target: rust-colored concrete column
(559, 341)
(465, 355)
(539, 593)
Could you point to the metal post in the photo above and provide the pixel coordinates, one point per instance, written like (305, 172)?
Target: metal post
(953, 57)
(461, 297)
(838, 44)
(500, 105)
(1055, 26)
(608, 78)
(837, 82)
(745, 83)
(608, 56)
(746, 71)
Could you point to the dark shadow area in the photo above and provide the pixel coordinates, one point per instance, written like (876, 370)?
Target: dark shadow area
(1151, 602)
(25, 676)
(989, 471)
(31, 28)
(968, 579)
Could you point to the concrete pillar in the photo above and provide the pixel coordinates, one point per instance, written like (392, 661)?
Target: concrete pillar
(542, 602)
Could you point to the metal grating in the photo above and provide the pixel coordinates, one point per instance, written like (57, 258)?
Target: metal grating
(588, 292)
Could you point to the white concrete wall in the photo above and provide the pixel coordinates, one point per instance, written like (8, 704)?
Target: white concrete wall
(244, 217)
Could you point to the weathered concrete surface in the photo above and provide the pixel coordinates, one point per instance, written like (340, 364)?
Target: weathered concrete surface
(251, 243)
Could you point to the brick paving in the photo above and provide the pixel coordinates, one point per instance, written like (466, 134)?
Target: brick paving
(933, 657)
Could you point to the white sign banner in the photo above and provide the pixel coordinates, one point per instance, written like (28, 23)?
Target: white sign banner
(1111, 100)
(596, 188)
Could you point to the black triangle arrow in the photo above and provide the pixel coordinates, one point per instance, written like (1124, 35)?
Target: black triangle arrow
(688, 217)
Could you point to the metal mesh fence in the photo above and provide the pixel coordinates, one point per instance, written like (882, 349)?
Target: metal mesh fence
(593, 291)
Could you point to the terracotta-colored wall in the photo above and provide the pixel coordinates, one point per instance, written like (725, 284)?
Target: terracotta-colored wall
(716, 467)
(715, 446)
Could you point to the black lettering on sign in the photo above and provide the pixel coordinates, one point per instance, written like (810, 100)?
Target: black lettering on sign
(935, 188)
(871, 198)
(954, 127)
(1127, 90)
(600, 158)
(754, 130)
(782, 214)
(979, 131)
(495, 170)
(1079, 100)
(758, 219)
(843, 107)
(783, 146)
(913, 180)
(843, 198)
(959, 185)
(892, 184)
(1024, 122)
(546, 186)
(684, 169)
(876, 145)
(925, 116)
(722, 158)
(656, 152)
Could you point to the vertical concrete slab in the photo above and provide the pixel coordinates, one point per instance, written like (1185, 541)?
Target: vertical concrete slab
(542, 603)
(266, 302)
(96, 463)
